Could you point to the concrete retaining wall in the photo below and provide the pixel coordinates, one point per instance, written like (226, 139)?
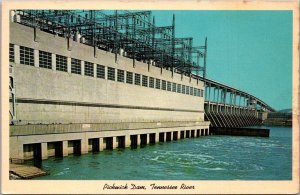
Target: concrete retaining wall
(51, 96)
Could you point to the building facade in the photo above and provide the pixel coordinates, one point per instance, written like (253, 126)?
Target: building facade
(68, 97)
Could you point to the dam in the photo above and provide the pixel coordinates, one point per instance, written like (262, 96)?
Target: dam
(82, 82)
(70, 98)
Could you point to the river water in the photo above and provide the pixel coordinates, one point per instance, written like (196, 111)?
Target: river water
(203, 158)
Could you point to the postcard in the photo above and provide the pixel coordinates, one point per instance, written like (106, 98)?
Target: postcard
(150, 97)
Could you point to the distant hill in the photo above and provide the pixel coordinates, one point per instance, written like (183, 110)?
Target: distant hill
(289, 110)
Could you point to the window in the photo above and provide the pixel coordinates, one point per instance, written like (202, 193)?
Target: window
(120, 74)
(198, 92)
(163, 85)
(169, 86)
(75, 66)
(195, 91)
(178, 88)
(61, 63)
(100, 71)
(183, 89)
(129, 77)
(187, 90)
(89, 69)
(151, 82)
(202, 93)
(111, 74)
(191, 90)
(137, 79)
(145, 81)
(157, 84)
(45, 60)
(174, 87)
(11, 53)
(26, 56)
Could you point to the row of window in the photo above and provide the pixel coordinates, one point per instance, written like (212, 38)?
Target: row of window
(45, 61)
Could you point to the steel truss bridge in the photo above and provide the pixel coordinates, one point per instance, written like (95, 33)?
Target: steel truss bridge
(135, 35)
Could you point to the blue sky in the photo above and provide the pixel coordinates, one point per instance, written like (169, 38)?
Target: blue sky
(249, 50)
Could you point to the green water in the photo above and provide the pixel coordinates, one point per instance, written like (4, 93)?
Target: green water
(204, 158)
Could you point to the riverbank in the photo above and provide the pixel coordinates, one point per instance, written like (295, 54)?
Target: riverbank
(278, 122)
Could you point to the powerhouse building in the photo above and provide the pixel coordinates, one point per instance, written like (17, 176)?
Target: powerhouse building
(68, 97)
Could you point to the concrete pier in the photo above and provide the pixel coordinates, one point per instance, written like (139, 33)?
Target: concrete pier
(65, 148)
(101, 145)
(36, 143)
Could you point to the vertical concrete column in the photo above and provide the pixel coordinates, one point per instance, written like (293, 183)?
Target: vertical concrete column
(36, 57)
(95, 69)
(20, 151)
(36, 34)
(82, 67)
(70, 44)
(69, 65)
(114, 146)
(84, 145)
(178, 135)
(156, 137)
(172, 136)
(101, 144)
(95, 52)
(44, 150)
(17, 54)
(208, 131)
(65, 148)
(53, 56)
(138, 141)
(147, 138)
(127, 141)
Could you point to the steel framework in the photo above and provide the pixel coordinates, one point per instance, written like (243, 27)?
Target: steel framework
(129, 33)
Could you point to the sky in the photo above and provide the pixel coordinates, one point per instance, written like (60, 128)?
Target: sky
(248, 50)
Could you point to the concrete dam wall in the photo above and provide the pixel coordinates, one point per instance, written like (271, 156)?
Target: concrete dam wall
(73, 98)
